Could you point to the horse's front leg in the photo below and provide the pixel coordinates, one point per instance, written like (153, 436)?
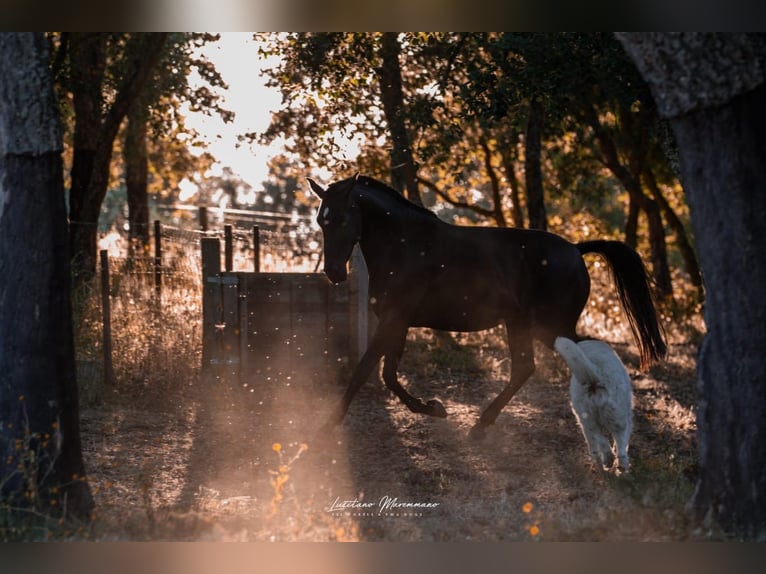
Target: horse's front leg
(361, 373)
(433, 407)
(522, 367)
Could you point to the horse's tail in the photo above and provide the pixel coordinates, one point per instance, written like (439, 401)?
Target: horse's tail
(632, 283)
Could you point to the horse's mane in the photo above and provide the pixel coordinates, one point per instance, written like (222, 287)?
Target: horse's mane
(391, 193)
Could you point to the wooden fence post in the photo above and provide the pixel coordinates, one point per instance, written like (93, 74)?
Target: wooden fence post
(106, 315)
(359, 298)
(157, 257)
(363, 324)
(228, 248)
(256, 249)
(212, 305)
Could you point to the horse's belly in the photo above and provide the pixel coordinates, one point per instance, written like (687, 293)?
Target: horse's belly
(453, 316)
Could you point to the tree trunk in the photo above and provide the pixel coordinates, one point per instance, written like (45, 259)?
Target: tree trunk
(136, 177)
(682, 239)
(497, 201)
(403, 171)
(513, 182)
(711, 86)
(87, 194)
(87, 62)
(638, 201)
(41, 464)
(663, 287)
(533, 168)
(631, 223)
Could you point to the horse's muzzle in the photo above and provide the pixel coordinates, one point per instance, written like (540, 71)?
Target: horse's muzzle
(336, 273)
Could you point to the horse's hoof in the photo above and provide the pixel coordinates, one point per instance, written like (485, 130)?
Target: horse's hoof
(436, 409)
(477, 432)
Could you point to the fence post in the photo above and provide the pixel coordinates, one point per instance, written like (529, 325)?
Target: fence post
(361, 285)
(203, 217)
(256, 249)
(106, 315)
(157, 257)
(228, 248)
(244, 347)
(212, 304)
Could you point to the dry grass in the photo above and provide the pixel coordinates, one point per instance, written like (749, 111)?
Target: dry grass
(171, 456)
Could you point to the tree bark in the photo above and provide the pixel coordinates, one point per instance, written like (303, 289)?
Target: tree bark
(533, 172)
(403, 171)
(711, 86)
(136, 177)
(87, 62)
(41, 462)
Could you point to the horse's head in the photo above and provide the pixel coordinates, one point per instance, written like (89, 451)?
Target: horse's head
(341, 223)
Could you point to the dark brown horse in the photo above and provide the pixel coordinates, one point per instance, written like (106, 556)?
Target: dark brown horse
(427, 273)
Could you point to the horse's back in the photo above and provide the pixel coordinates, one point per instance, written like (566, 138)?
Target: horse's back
(480, 276)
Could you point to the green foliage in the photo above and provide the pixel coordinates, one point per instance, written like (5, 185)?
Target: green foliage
(466, 103)
(162, 99)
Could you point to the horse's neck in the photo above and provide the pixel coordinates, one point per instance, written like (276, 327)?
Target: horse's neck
(385, 226)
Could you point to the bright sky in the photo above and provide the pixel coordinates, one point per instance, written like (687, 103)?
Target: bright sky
(235, 56)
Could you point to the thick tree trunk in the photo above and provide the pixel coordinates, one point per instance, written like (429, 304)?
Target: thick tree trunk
(533, 171)
(87, 195)
(41, 463)
(403, 171)
(136, 177)
(723, 150)
(87, 63)
(712, 88)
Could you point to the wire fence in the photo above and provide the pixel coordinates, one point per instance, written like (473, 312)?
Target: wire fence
(149, 305)
(282, 243)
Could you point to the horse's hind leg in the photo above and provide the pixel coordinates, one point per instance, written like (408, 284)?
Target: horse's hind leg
(433, 407)
(522, 367)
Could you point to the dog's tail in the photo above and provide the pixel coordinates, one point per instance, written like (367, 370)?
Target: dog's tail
(582, 368)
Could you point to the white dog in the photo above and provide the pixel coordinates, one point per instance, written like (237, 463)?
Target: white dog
(602, 398)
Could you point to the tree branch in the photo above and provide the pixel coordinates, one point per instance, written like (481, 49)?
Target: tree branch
(456, 202)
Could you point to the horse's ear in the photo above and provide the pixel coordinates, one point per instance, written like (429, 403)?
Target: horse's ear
(316, 188)
(352, 182)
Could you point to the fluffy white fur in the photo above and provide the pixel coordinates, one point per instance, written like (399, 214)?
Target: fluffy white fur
(602, 398)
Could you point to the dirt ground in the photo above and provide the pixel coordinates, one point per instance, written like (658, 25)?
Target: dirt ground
(225, 459)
